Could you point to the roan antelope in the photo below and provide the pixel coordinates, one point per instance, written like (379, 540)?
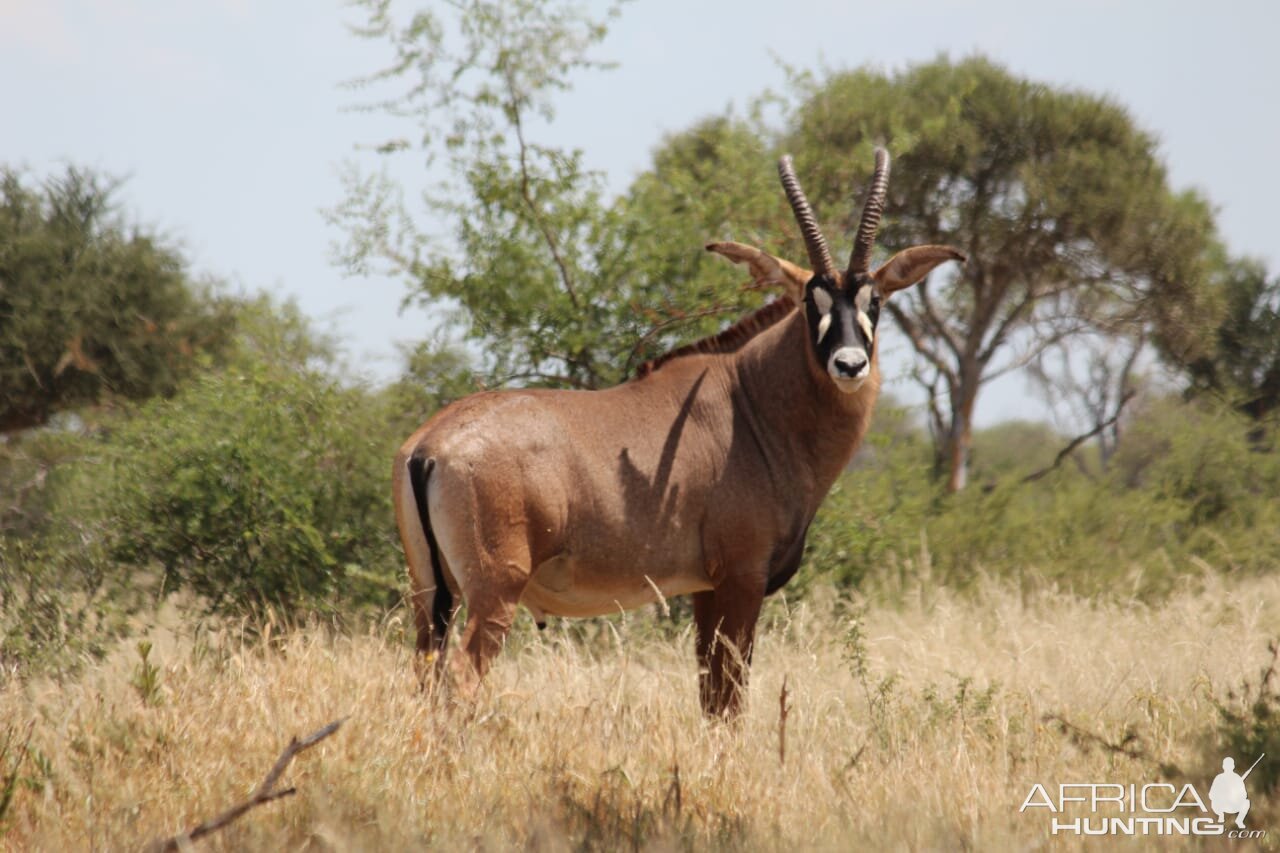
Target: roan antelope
(701, 475)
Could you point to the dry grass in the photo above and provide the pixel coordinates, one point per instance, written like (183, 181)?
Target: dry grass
(922, 728)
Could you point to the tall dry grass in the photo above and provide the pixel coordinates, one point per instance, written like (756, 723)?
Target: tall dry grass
(917, 727)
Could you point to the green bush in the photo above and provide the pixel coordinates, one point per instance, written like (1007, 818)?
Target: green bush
(257, 486)
(1187, 492)
(264, 482)
(1200, 457)
(59, 604)
(59, 601)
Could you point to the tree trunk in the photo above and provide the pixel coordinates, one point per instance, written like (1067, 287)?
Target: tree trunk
(960, 435)
(958, 443)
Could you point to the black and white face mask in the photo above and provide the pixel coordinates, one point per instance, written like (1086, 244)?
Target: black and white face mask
(842, 326)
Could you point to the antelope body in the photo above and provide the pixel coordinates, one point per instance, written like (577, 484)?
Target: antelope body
(700, 476)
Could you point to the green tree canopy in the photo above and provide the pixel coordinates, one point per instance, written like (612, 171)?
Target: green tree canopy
(90, 308)
(533, 254)
(557, 282)
(1058, 197)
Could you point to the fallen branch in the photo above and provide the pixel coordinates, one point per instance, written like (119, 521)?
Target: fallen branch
(1129, 746)
(265, 793)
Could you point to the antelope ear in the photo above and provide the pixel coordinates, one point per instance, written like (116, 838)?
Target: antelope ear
(766, 270)
(912, 265)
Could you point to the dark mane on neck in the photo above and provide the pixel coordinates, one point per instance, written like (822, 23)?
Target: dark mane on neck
(730, 340)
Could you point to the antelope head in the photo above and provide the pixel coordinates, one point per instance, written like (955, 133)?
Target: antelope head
(842, 307)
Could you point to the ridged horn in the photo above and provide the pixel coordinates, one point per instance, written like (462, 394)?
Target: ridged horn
(871, 212)
(819, 255)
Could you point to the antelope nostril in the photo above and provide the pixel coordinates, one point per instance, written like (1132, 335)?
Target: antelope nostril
(849, 366)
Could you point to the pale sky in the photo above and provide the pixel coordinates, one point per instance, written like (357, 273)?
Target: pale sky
(227, 116)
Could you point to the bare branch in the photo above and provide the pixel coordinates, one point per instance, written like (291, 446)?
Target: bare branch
(713, 311)
(1130, 746)
(1032, 354)
(938, 423)
(265, 793)
(1014, 314)
(1126, 370)
(1081, 439)
(547, 236)
(556, 378)
(935, 321)
(986, 305)
(920, 343)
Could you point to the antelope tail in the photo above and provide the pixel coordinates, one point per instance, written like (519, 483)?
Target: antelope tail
(420, 467)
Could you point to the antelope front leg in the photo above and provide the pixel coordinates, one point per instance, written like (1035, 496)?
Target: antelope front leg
(726, 619)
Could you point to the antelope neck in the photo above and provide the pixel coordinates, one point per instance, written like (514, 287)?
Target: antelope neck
(789, 398)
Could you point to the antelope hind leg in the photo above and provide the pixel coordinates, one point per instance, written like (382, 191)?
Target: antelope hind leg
(492, 599)
(433, 613)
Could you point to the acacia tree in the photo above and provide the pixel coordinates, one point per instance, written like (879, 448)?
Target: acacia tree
(530, 250)
(1059, 199)
(90, 308)
(558, 283)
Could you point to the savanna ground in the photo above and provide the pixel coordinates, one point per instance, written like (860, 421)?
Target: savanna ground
(918, 718)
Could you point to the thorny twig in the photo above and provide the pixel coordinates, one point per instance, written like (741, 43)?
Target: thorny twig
(666, 325)
(783, 710)
(265, 793)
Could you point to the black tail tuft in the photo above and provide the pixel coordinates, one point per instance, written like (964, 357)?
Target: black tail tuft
(420, 467)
